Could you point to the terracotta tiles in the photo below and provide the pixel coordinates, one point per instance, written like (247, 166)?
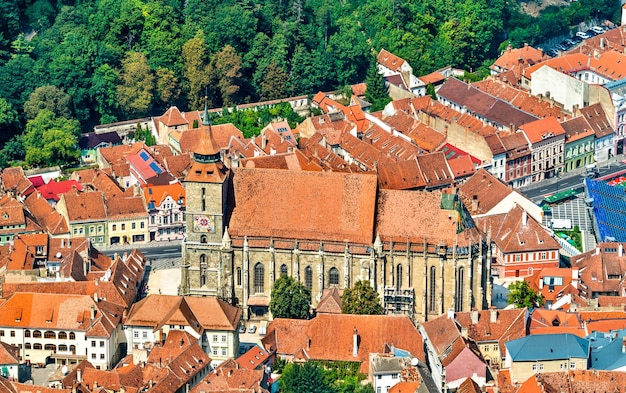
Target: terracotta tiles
(339, 206)
(482, 192)
(545, 321)
(313, 338)
(85, 206)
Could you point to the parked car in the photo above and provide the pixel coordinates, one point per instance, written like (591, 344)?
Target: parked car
(577, 39)
(582, 35)
(552, 53)
(570, 42)
(592, 33)
(598, 29)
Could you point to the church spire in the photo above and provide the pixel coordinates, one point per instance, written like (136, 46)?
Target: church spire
(206, 120)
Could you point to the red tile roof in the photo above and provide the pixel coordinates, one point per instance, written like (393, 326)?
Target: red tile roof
(53, 189)
(390, 60)
(337, 206)
(254, 358)
(314, 340)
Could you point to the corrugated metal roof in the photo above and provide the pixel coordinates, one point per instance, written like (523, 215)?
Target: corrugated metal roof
(547, 347)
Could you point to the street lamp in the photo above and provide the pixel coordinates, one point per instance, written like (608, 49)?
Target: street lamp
(558, 177)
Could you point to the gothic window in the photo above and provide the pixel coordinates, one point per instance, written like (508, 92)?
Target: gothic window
(432, 300)
(203, 270)
(458, 303)
(399, 277)
(283, 270)
(333, 276)
(259, 278)
(238, 276)
(308, 278)
(203, 239)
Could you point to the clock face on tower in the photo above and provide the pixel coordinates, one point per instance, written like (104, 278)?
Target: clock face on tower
(203, 223)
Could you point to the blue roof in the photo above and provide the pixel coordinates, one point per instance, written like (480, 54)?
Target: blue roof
(606, 350)
(155, 167)
(547, 347)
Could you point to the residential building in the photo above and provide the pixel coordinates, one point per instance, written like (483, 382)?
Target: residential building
(390, 65)
(513, 61)
(15, 183)
(558, 286)
(64, 328)
(484, 195)
(573, 381)
(547, 142)
(579, 144)
(601, 271)
(608, 350)
(490, 329)
(14, 220)
(496, 112)
(517, 169)
(385, 371)
(521, 244)
(127, 220)
(86, 215)
(544, 353)
(544, 321)
(230, 377)
(618, 120)
(451, 357)
(212, 322)
(603, 126)
(354, 337)
(90, 142)
(166, 211)
(12, 366)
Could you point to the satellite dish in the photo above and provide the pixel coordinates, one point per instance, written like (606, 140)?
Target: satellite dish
(414, 361)
(64, 370)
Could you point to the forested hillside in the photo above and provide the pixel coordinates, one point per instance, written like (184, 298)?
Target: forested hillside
(106, 60)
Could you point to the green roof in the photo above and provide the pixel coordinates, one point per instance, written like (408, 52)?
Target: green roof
(547, 347)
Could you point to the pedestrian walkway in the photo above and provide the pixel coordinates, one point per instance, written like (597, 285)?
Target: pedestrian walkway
(164, 276)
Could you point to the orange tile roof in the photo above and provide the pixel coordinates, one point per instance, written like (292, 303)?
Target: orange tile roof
(222, 134)
(422, 218)
(461, 166)
(9, 354)
(14, 180)
(330, 301)
(158, 194)
(336, 206)
(295, 160)
(229, 378)
(541, 129)
(313, 337)
(85, 206)
(518, 59)
(253, 358)
(545, 321)
(51, 220)
(126, 207)
(390, 60)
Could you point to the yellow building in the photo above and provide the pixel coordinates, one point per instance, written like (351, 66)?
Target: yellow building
(127, 220)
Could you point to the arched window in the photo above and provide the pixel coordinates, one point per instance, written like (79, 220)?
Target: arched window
(259, 278)
(36, 334)
(333, 276)
(50, 347)
(203, 270)
(203, 239)
(399, 277)
(37, 346)
(460, 283)
(308, 278)
(62, 348)
(26, 333)
(27, 346)
(62, 336)
(72, 336)
(283, 270)
(432, 299)
(49, 334)
(238, 276)
(73, 349)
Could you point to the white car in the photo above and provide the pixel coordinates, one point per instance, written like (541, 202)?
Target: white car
(582, 35)
(598, 29)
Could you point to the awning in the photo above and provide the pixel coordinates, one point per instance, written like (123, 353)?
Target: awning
(262, 301)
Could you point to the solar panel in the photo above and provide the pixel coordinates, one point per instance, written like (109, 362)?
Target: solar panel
(144, 156)
(155, 167)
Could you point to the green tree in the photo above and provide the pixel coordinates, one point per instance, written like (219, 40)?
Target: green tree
(195, 72)
(274, 83)
(51, 140)
(51, 98)
(226, 68)
(290, 299)
(307, 377)
(376, 91)
(104, 90)
(522, 295)
(167, 86)
(8, 115)
(12, 151)
(135, 92)
(361, 299)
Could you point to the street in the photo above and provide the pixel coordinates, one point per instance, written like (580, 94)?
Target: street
(152, 251)
(536, 192)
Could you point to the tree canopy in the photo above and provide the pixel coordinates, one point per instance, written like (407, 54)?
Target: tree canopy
(522, 295)
(361, 299)
(290, 299)
(307, 377)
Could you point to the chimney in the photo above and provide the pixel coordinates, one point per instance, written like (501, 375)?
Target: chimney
(620, 250)
(474, 316)
(92, 312)
(451, 313)
(524, 218)
(623, 344)
(95, 385)
(263, 140)
(493, 315)
(602, 43)
(541, 283)
(474, 203)
(355, 342)
(79, 375)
